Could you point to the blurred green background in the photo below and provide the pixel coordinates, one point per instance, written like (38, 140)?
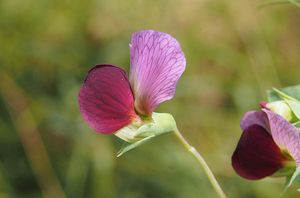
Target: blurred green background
(234, 51)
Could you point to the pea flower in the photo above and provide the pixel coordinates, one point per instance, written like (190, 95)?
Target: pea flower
(268, 146)
(112, 103)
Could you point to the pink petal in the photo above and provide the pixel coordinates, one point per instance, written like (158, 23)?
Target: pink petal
(106, 100)
(263, 104)
(254, 117)
(256, 155)
(157, 63)
(285, 135)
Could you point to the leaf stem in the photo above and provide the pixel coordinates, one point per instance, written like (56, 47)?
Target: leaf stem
(202, 162)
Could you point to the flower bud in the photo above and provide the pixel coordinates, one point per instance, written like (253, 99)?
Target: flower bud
(281, 108)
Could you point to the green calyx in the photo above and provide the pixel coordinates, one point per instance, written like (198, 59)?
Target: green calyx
(281, 108)
(285, 102)
(138, 134)
(287, 170)
(291, 179)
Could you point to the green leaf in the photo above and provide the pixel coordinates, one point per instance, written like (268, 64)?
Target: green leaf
(276, 94)
(291, 180)
(295, 107)
(291, 95)
(297, 124)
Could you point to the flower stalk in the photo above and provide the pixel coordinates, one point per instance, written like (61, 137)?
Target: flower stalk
(202, 162)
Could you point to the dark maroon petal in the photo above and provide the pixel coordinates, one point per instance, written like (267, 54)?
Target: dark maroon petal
(256, 155)
(106, 100)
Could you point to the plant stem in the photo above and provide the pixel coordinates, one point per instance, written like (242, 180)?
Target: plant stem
(202, 162)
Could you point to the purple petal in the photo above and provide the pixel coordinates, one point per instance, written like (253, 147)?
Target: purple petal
(254, 117)
(286, 136)
(156, 62)
(256, 155)
(105, 99)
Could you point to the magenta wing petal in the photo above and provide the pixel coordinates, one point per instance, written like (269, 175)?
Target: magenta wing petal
(156, 64)
(256, 155)
(106, 100)
(254, 117)
(285, 135)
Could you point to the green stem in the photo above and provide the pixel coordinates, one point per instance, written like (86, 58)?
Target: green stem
(202, 162)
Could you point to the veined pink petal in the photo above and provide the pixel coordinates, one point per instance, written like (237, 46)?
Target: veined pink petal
(256, 155)
(156, 64)
(254, 117)
(106, 100)
(284, 134)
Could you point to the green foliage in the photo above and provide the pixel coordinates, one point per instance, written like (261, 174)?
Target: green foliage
(295, 2)
(285, 93)
(291, 95)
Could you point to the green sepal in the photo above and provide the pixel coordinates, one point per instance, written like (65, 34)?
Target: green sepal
(287, 170)
(276, 94)
(293, 99)
(283, 96)
(127, 146)
(295, 107)
(161, 123)
(297, 125)
(291, 179)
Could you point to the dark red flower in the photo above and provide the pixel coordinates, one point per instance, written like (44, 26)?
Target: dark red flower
(267, 143)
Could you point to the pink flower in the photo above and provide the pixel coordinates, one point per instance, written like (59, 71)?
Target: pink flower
(110, 102)
(268, 144)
